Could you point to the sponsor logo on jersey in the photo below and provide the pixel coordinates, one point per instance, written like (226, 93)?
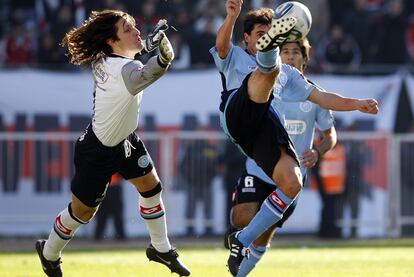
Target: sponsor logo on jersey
(277, 201)
(248, 190)
(100, 74)
(143, 161)
(251, 67)
(295, 127)
(305, 106)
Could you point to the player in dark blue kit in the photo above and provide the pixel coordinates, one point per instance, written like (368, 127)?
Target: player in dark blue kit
(252, 78)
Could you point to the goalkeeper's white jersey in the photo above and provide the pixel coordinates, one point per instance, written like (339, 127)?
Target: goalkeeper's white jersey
(119, 84)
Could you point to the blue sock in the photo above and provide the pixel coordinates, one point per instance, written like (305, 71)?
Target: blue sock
(269, 61)
(247, 265)
(270, 212)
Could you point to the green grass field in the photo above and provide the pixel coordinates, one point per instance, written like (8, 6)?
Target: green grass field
(372, 259)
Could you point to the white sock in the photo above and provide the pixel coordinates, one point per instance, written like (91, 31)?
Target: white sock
(63, 230)
(152, 211)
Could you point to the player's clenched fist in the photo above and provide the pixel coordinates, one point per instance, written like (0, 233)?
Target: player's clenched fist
(368, 106)
(233, 7)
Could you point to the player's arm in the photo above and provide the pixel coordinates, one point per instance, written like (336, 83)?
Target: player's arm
(311, 156)
(137, 76)
(225, 33)
(336, 102)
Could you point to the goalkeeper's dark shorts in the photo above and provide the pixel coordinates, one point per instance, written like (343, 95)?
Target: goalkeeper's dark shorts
(255, 128)
(95, 163)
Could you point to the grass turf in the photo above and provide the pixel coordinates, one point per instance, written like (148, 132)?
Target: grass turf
(375, 258)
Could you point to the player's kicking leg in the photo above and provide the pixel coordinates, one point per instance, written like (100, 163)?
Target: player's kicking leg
(268, 61)
(277, 34)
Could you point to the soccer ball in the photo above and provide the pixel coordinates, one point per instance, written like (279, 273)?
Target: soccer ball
(302, 15)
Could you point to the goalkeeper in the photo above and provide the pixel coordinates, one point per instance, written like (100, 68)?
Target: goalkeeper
(108, 42)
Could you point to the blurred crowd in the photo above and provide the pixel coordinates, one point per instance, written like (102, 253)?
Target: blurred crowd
(345, 35)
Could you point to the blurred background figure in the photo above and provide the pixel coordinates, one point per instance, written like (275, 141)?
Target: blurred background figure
(19, 46)
(337, 50)
(111, 208)
(198, 169)
(357, 155)
(329, 175)
(231, 167)
(392, 48)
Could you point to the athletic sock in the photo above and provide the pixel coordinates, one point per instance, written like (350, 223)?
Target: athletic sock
(269, 61)
(270, 212)
(152, 211)
(63, 230)
(247, 265)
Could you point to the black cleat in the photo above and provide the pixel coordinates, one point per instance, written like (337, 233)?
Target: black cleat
(52, 269)
(169, 259)
(277, 34)
(237, 253)
(230, 230)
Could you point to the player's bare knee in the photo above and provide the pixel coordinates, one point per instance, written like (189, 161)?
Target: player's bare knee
(243, 214)
(83, 212)
(240, 221)
(292, 188)
(87, 214)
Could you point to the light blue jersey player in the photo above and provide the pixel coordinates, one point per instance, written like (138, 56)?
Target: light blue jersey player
(251, 122)
(299, 119)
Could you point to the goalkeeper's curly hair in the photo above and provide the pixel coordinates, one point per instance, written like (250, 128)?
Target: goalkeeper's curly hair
(88, 42)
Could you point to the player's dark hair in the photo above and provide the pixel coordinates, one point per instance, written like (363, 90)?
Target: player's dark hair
(260, 16)
(305, 47)
(87, 43)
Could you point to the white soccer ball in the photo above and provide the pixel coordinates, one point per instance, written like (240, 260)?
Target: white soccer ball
(302, 15)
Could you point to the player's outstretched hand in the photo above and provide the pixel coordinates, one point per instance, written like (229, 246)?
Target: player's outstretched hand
(166, 51)
(154, 37)
(368, 106)
(233, 7)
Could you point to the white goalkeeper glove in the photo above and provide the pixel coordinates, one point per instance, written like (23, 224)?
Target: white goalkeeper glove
(166, 55)
(154, 37)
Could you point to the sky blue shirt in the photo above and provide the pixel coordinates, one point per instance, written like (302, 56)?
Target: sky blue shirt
(290, 93)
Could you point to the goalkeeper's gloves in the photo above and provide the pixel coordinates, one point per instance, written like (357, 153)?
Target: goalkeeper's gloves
(154, 37)
(166, 55)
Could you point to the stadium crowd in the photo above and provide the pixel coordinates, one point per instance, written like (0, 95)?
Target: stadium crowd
(346, 34)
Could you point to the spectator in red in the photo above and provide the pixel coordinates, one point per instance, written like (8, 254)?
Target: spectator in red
(18, 46)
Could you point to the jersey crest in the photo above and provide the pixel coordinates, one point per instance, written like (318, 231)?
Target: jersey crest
(305, 106)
